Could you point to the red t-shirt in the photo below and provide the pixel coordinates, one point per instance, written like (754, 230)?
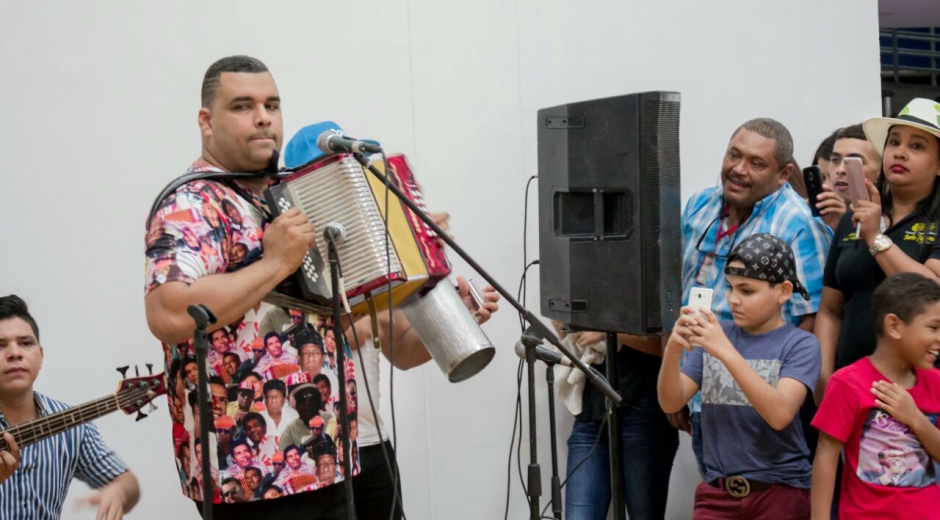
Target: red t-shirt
(888, 473)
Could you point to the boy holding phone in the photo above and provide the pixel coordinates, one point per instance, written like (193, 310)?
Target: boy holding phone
(754, 373)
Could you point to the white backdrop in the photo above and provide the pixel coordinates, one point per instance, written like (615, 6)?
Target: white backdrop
(99, 104)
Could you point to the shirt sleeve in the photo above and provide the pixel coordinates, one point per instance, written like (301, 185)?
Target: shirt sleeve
(935, 248)
(182, 244)
(836, 414)
(803, 361)
(829, 276)
(97, 466)
(692, 366)
(810, 245)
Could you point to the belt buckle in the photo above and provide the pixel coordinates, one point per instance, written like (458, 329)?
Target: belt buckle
(737, 486)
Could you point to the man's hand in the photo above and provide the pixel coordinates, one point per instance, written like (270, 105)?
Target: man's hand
(490, 297)
(895, 400)
(9, 460)
(830, 203)
(288, 239)
(680, 420)
(707, 333)
(442, 220)
(115, 499)
(588, 337)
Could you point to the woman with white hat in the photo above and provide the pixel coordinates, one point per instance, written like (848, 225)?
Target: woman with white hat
(895, 231)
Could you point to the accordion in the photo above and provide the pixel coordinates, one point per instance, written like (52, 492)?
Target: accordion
(336, 189)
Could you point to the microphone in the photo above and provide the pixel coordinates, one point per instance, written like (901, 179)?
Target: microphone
(335, 232)
(545, 355)
(333, 141)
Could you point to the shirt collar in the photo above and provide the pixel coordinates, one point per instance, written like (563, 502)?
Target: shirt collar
(42, 409)
(759, 206)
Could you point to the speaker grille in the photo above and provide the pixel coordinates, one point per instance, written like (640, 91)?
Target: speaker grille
(662, 277)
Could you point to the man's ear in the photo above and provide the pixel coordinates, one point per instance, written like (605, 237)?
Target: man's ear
(785, 292)
(785, 173)
(893, 326)
(205, 122)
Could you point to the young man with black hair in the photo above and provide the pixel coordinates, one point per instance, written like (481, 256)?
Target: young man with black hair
(37, 477)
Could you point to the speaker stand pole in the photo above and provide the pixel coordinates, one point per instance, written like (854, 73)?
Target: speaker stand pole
(614, 433)
(556, 482)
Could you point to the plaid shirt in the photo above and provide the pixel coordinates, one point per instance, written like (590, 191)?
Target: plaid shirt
(782, 214)
(37, 489)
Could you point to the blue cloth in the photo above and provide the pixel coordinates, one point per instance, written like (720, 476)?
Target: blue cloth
(37, 489)
(649, 446)
(736, 439)
(303, 147)
(782, 214)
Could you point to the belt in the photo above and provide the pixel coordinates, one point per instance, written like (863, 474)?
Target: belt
(738, 486)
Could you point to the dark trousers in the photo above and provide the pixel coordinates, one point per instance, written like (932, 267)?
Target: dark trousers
(373, 487)
(649, 447)
(322, 504)
(776, 503)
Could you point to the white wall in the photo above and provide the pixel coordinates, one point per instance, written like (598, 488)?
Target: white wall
(99, 106)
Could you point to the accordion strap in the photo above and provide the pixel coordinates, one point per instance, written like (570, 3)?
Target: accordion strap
(186, 178)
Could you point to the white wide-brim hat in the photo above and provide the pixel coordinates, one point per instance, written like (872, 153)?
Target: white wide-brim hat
(920, 113)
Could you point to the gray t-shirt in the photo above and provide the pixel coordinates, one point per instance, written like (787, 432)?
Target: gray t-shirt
(737, 440)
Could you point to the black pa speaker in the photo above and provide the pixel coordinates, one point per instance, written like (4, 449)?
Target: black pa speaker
(609, 213)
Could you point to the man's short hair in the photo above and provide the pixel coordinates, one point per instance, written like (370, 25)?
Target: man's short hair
(212, 334)
(905, 295)
(309, 337)
(272, 335)
(232, 354)
(193, 398)
(825, 148)
(772, 129)
(292, 447)
(179, 450)
(13, 306)
(237, 443)
(274, 384)
(252, 468)
(188, 360)
(216, 380)
(850, 132)
(322, 377)
(241, 63)
(254, 416)
(231, 480)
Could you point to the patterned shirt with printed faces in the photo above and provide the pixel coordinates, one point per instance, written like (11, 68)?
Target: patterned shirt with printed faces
(205, 228)
(706, 245)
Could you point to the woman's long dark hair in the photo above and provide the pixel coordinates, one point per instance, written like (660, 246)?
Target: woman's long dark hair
(929, 207)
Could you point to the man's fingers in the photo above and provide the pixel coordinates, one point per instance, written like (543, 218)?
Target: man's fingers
(11, 445)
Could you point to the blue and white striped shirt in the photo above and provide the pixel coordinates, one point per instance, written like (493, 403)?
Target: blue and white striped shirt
(782, 214)
(37, 489)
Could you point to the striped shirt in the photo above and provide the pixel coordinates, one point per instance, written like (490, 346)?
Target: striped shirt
(782, 214)
(37, 489)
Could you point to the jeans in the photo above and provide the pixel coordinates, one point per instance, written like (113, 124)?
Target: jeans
(649, 447)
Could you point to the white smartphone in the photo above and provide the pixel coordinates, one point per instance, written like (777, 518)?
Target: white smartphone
(701, 298)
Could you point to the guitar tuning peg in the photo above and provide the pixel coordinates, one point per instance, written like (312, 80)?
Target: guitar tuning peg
(150, 368)
(140, 415)
(136, 371)
(123, 371)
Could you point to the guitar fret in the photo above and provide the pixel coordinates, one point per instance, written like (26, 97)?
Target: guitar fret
(58, 422)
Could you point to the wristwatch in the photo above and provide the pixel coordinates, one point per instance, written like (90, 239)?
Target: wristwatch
(879, 244)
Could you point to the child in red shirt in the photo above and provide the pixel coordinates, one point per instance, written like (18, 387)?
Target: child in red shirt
(881, 411)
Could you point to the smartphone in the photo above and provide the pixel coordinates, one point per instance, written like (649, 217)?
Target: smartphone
(856, 179)
(701, 298)
(814, 187)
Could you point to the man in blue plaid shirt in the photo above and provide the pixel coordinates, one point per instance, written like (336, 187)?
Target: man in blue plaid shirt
(754, 197)
(35, 479)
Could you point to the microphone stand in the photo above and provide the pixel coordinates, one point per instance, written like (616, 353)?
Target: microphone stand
(615, 439)
(536, 328)
(556, 482)
(203, 318)
(331, 239)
